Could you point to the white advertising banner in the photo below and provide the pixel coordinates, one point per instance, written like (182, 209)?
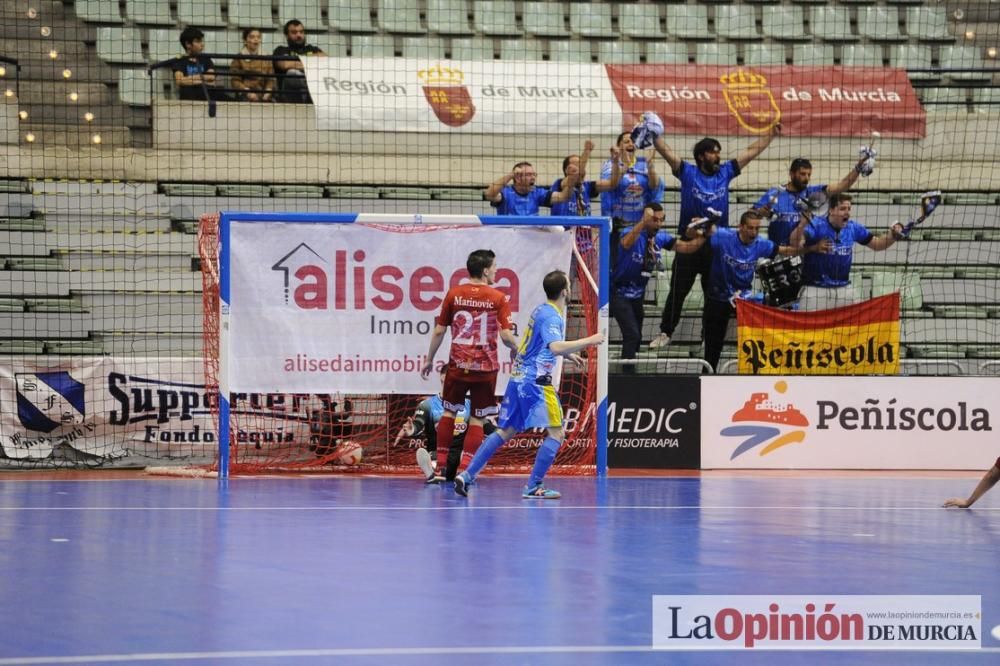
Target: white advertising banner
(98, 409)
(478, 97)
(321, 308)
(849, 422)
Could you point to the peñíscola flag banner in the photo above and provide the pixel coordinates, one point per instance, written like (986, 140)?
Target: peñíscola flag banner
(533, 97)
(859, 339)
(322, 308)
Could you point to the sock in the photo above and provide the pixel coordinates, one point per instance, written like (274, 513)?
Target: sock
(543, 460)
(473, 438)
(445, 433)
(483, 455)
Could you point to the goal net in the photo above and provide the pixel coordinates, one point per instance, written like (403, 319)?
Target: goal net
(317, 326)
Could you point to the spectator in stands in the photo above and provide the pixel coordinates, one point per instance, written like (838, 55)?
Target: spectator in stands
(637, 259)
(292, 86)
(704, 186)
(734, 256)
(778, 203)
(584, 191)
(828, 243)
(194, 74)
(638, 185)
(523, 198)
(253, 78)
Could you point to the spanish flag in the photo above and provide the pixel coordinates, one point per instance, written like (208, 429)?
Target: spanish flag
(860, 339)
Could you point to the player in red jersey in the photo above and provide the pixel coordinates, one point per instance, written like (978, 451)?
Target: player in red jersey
(475, 312)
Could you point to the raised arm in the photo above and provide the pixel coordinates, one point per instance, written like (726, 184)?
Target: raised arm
(758, 146)
(886, 240)
(568, 183)
(651, 177)
(611, 183)
(494, 188)
(847, 181)
(672, 158)
(567, 347)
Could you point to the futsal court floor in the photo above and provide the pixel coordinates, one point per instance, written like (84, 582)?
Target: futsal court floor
(129, 569)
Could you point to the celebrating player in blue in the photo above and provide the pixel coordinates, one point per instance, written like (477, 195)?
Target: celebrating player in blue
(530, 400)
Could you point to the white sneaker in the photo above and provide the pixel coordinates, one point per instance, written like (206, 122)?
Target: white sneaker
(427, 465)
(661, 340)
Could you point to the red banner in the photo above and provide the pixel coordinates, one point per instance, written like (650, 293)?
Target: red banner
(807, 101)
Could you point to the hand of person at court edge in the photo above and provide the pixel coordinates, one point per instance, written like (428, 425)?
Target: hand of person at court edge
(776, 129)
(425, 372)
(588, 146)
(615, 153)
(578, 360)
(957, 502)
(825, 246)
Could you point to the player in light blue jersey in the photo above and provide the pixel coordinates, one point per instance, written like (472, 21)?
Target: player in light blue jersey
(704, 186)
(778, 203)
(523, 197)
(828, 243)
(530, 400)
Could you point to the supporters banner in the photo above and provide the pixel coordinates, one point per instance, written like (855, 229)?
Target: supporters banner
(654, 421)
(528, 97)
(319, 308)
(474, 97)
(860, 339)
(849, 422)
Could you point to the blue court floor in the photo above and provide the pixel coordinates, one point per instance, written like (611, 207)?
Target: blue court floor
(389, 571)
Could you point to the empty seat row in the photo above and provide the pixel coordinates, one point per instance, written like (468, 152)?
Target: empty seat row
(549, 19)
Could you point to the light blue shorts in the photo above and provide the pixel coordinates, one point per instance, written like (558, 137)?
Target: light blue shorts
(527, 405)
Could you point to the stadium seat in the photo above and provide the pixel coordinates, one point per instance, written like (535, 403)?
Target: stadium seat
(134, 87)
(619, 53)
(545, 19)
(667, 53)
(715, 53)
(832, 24)
(120, 45)
(912, 56)
(495, 17)
(569, 51)
(373, 46)
(471, 48)
(591, 19)
(944, 100)
(812, 54)
(520, 49)
(350, 16)
(334, 46)
(448, 17)
(688, 22)
(736, 22)
(251, 14)
(879, 24)
(425, 48)
(400, 16)
(963, 57)
(307, 11)
(163, 44)
(200, 13)
(861, 55)
(762, 55)
(223, 42)
(149, 12)
(928, 24)
(785, 23)
(640, 21)
(986, 100)
(98, 11)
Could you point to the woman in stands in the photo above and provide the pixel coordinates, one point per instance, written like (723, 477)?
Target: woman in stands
(253, 79)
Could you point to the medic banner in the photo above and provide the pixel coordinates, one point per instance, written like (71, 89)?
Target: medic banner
(321, 308)
(528, 97)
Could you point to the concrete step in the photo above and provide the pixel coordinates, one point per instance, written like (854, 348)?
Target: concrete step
(51, 92)
(69, 136)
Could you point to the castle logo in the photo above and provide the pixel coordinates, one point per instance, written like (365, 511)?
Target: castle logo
(448, 97)
(766, 415)
(750, 100)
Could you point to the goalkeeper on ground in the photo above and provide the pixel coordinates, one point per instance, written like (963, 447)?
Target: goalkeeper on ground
(425, 422)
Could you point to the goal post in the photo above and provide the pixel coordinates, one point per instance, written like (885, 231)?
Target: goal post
(316, 327)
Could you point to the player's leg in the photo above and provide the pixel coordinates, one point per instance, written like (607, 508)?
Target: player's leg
(547, 413)
(509, 425)
(482, 405)
(715, 320)
(453, 396)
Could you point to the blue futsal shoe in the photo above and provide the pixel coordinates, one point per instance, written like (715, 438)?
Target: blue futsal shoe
(539, 491)
(462, 484)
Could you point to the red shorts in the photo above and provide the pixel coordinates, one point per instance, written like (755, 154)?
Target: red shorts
(480, 386)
